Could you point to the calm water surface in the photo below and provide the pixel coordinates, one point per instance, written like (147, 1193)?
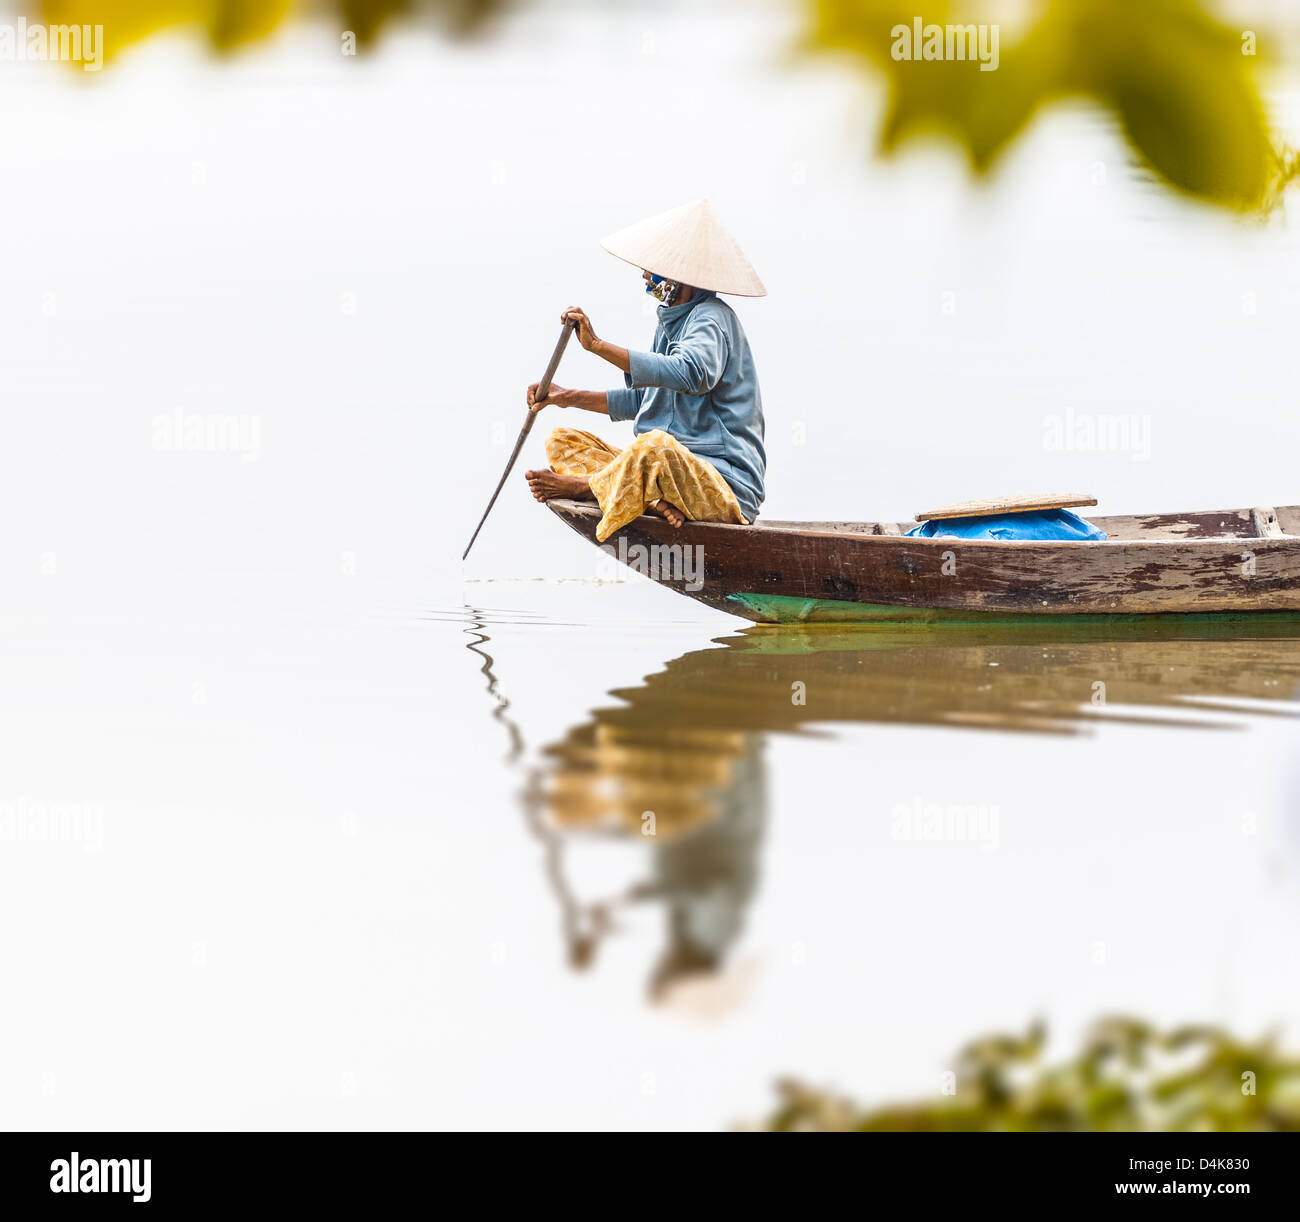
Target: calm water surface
(862, 843)
(354, 856)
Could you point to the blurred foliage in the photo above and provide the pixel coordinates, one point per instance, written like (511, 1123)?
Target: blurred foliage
(1177, 80)
(1179, 83)
(1285, 171)
(231, 23)
(1128, 1078)
(228, 23)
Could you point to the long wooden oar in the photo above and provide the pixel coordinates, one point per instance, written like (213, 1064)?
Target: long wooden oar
(542, 387)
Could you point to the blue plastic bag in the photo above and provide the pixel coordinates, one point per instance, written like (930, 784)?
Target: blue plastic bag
(1036, 524)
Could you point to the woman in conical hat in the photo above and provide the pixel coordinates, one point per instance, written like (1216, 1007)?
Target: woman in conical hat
(693, 397)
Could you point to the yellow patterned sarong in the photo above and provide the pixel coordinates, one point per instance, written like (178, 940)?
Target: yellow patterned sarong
(654, 467)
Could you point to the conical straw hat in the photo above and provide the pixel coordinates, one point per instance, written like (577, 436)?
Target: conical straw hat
(691, 245)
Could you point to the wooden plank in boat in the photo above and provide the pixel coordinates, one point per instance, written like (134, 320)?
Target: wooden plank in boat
(1007, 504)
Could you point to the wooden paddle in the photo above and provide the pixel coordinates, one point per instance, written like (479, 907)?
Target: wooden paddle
(542, 387)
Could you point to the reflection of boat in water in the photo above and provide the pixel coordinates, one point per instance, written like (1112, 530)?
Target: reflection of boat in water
(1025, 677)
(669, 736)
(686, 744)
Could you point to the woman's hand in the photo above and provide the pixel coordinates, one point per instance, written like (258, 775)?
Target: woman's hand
(588, 339)
(586, 335)
(553, 397)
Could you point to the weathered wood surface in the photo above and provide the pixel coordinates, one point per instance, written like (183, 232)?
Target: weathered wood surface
(1172, 565)
(991, 506)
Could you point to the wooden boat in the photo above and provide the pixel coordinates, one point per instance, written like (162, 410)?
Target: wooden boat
(1218, 563)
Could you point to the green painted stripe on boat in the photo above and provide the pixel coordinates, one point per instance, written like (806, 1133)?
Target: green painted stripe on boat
(781, 609)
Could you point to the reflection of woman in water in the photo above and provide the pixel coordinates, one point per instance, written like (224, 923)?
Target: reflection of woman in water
(688, 743)
(697, 796)
(708, 878)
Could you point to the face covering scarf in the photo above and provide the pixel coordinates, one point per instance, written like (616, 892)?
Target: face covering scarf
(665, 290)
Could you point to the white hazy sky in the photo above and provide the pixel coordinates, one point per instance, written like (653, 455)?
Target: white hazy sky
(367, 259)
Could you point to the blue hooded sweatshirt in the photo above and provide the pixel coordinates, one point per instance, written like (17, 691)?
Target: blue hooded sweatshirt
(699, 386)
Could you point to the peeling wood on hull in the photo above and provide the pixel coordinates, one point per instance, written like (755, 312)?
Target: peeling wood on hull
(1205, 563)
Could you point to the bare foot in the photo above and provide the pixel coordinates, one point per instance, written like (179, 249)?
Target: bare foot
(662, 509)
(547, 485)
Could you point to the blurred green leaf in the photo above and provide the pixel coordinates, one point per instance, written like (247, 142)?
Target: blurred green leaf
(233, 23)
(366, 18)
(1177, 80)
(228, 23)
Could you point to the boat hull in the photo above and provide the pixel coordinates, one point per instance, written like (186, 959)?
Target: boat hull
(789, 574)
